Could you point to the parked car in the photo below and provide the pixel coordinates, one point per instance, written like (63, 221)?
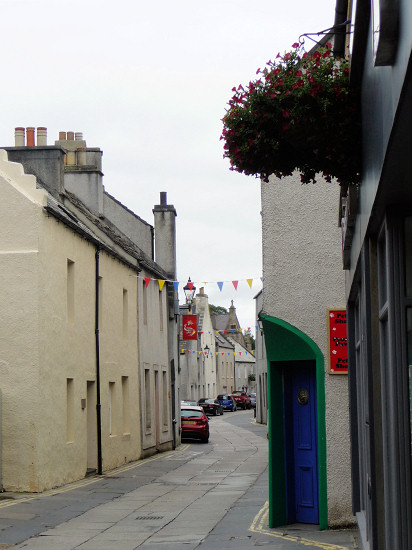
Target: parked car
(227, 401)
(242, 399)
(189, 402)
(194, 423)
(252, 400)
(211, 406)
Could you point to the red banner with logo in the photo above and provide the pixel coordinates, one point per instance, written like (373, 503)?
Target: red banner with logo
(338, 342)
(189, 327)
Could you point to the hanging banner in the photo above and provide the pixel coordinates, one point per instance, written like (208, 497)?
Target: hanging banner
(338, 342)
(189, 327)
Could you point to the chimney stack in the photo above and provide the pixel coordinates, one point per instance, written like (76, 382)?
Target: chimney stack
(25, 136)
(165, 235)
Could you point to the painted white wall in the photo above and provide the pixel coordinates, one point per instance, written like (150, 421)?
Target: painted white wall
(42, 346)
(302, 279)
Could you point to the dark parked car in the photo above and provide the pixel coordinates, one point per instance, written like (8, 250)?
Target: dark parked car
(227, 401)
(211, 406)
(194, 422)
(252, 400)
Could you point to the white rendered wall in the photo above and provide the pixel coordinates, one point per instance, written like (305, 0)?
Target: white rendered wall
(303, 278)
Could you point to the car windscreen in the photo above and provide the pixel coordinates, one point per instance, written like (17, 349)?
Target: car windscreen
(185, 413)
(209, 401)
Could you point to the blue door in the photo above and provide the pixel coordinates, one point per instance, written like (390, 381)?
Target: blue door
(301, 442)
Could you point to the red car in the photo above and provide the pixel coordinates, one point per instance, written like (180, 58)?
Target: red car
(242, 399)
(194, 422)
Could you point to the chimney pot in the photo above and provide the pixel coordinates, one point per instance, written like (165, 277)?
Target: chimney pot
(70, 136)
(163, 198)
(62, 136)
(41, 136)
(19, 136)
(78, 136)
(30, 136)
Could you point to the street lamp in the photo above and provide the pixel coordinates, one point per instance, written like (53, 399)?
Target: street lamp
(206, 350)
(189, 290)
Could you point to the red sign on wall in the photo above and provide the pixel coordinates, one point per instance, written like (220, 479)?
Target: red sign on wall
(189, 327)
(338, 342)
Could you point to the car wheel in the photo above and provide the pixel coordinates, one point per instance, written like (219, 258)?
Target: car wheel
(205, 439)
(221, 412)
(214, 412)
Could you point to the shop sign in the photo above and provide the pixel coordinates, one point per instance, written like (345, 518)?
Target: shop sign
(338, 342)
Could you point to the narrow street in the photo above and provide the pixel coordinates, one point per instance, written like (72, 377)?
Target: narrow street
(207, 496)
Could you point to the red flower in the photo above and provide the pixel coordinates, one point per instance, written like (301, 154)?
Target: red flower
(295, 45)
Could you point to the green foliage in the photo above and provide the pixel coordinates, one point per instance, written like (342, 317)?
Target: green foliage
(218, 310)
(251, 377)
(299, 115)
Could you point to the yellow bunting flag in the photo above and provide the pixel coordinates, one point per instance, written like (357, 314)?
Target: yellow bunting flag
(249, 282)
(161, 284)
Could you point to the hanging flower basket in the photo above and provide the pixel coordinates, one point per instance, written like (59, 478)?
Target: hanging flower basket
(299, 115)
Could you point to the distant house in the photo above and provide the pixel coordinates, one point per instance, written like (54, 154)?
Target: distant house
(87, 345)
(225, 364)
(227, 325)
(207, 364)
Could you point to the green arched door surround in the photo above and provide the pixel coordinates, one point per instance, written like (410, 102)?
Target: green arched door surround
(285, 342)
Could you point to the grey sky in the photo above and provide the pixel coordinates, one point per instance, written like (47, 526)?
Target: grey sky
(148, 82)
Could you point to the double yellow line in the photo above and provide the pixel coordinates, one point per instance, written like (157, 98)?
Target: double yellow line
(88, 481)
(259, 526)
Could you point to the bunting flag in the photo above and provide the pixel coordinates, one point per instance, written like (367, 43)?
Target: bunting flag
(147, 281)
(176, 285)
(220, 285)
(249, 282)
(161, 284)
(235, 283)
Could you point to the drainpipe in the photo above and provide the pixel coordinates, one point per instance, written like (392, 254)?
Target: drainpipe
(98, 404)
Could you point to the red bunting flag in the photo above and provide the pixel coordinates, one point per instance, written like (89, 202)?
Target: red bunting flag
(147, 281)
(235, 283)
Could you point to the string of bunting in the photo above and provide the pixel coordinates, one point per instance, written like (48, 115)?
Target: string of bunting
(216, 352)
(220, 284)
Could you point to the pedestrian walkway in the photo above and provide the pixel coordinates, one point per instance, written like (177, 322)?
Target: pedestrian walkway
(200, 496)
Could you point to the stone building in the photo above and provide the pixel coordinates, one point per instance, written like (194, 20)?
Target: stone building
(85, 343)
